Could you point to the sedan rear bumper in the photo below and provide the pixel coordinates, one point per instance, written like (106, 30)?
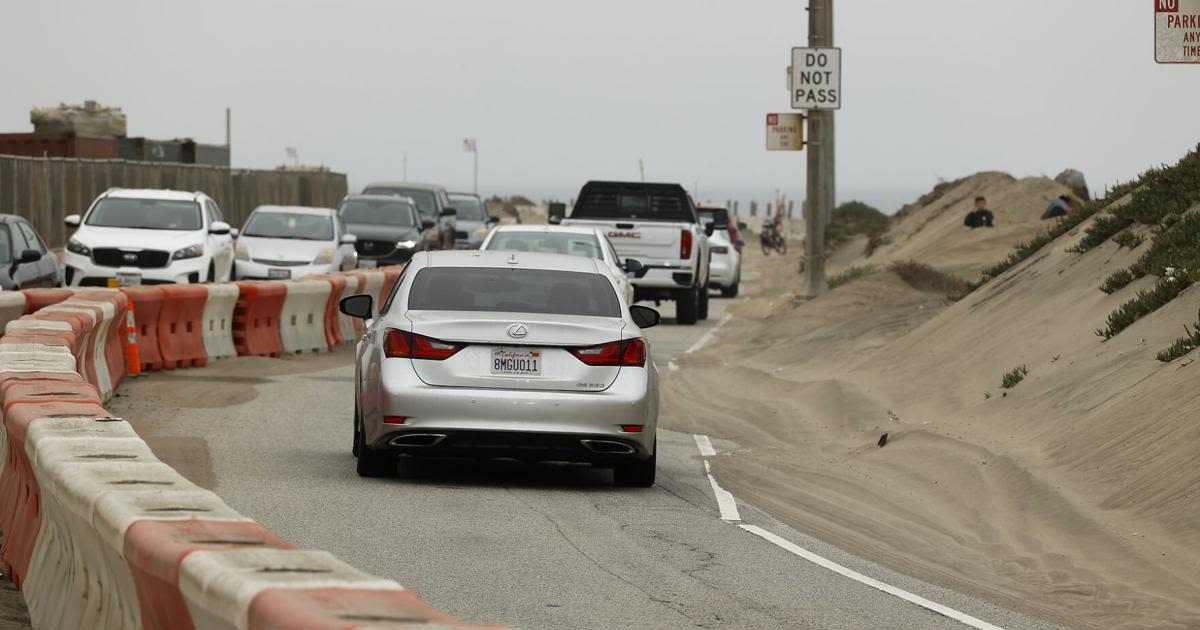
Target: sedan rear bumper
(489, 422)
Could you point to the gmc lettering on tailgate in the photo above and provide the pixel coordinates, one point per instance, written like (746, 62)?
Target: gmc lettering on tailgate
(625, 235)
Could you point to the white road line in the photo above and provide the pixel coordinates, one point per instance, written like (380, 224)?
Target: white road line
(869, 581)
(725, 501)
(729, 512)
(707, 337)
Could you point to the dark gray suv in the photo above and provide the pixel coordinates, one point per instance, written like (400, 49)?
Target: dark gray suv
(389, 228)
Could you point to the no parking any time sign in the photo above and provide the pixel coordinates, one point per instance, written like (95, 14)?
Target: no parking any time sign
(1177, 31)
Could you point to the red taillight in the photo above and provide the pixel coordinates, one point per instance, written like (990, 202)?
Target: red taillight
(631, 428)
(401, 344)
(394, 419)
(628, 352)
(685, 244)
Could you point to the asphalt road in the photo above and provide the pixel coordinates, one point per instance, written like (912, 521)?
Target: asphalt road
(529, 546)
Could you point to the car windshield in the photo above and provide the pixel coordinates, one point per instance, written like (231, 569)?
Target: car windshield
(469, 208)
(546, 242)
(146, 214)
(291, 225)
(5, 245)
(396, 213)
(540, 291)
(425, 199)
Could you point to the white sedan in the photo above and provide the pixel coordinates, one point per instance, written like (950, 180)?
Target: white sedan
(281, 242)
(584, 241)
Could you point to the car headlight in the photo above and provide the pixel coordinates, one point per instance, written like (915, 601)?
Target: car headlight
(242, 252)
(191, 251)
(75, 247)
(406, 244)
(324, 258)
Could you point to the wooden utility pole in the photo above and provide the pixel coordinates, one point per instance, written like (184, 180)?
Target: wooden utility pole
(820, 180)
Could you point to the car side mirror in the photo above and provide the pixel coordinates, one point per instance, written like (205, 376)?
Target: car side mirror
(29, 256)
(427, 224)
(349, 239)
(635, 267)
(356, 306)
(492, 219)
(643, 316)
(72, 220)
(556, 212)
(219, 228)
(742, 225)
(234, 232)
(708, 229)
(741, 243)
(449, 212)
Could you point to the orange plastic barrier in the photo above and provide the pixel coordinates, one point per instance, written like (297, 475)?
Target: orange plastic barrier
(256, 318)
(37, 299)
(180, 340)
(390, 275)
(147, 304)
(332, 608)
(31, 392)
(357, 283)
(20, 508)
(333, 333)
(155, 549)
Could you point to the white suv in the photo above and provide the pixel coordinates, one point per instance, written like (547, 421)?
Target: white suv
(131, 237)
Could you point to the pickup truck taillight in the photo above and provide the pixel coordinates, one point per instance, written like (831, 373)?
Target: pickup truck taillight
(685, 244)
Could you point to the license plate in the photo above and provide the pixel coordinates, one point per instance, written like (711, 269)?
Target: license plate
(513, 362)
(279, 274)
(125, 280)
(366, 263)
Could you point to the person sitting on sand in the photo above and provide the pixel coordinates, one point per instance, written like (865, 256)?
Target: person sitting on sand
(980, 216)
(1060, 207)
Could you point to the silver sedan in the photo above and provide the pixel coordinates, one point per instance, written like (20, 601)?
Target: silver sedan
(506, 354)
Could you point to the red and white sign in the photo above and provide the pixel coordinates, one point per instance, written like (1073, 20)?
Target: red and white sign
(1177, 31)
(785, 132)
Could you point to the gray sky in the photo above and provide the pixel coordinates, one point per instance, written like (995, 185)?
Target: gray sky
(558, 91)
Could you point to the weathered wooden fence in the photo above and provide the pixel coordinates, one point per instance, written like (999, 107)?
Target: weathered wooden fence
(44, 190)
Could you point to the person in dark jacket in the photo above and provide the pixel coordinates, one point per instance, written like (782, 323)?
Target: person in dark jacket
(980, 216)
(1060, 207)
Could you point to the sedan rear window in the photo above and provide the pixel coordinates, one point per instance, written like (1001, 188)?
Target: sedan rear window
(539, 291)
(146, 214)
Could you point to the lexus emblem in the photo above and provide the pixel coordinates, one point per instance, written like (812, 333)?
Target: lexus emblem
(518, 331)
(130, 257)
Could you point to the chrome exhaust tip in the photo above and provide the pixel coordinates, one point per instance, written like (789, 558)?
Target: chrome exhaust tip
(423, 440)
(608, 447)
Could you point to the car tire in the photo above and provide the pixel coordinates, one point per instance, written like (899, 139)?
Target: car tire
(687, 307)
(638, 473)
(357, 432)
(702, 307)
(212, 272)
(372, 463)
(731, 290)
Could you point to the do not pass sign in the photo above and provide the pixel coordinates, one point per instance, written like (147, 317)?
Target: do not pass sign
(1177, 31)
(816, 78)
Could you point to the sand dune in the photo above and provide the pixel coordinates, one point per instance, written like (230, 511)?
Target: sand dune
(1074, 496)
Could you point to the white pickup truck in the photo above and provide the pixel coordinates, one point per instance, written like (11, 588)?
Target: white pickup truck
(657, 225)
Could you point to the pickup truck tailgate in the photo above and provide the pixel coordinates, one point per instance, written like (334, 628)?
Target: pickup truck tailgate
(647, 241)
